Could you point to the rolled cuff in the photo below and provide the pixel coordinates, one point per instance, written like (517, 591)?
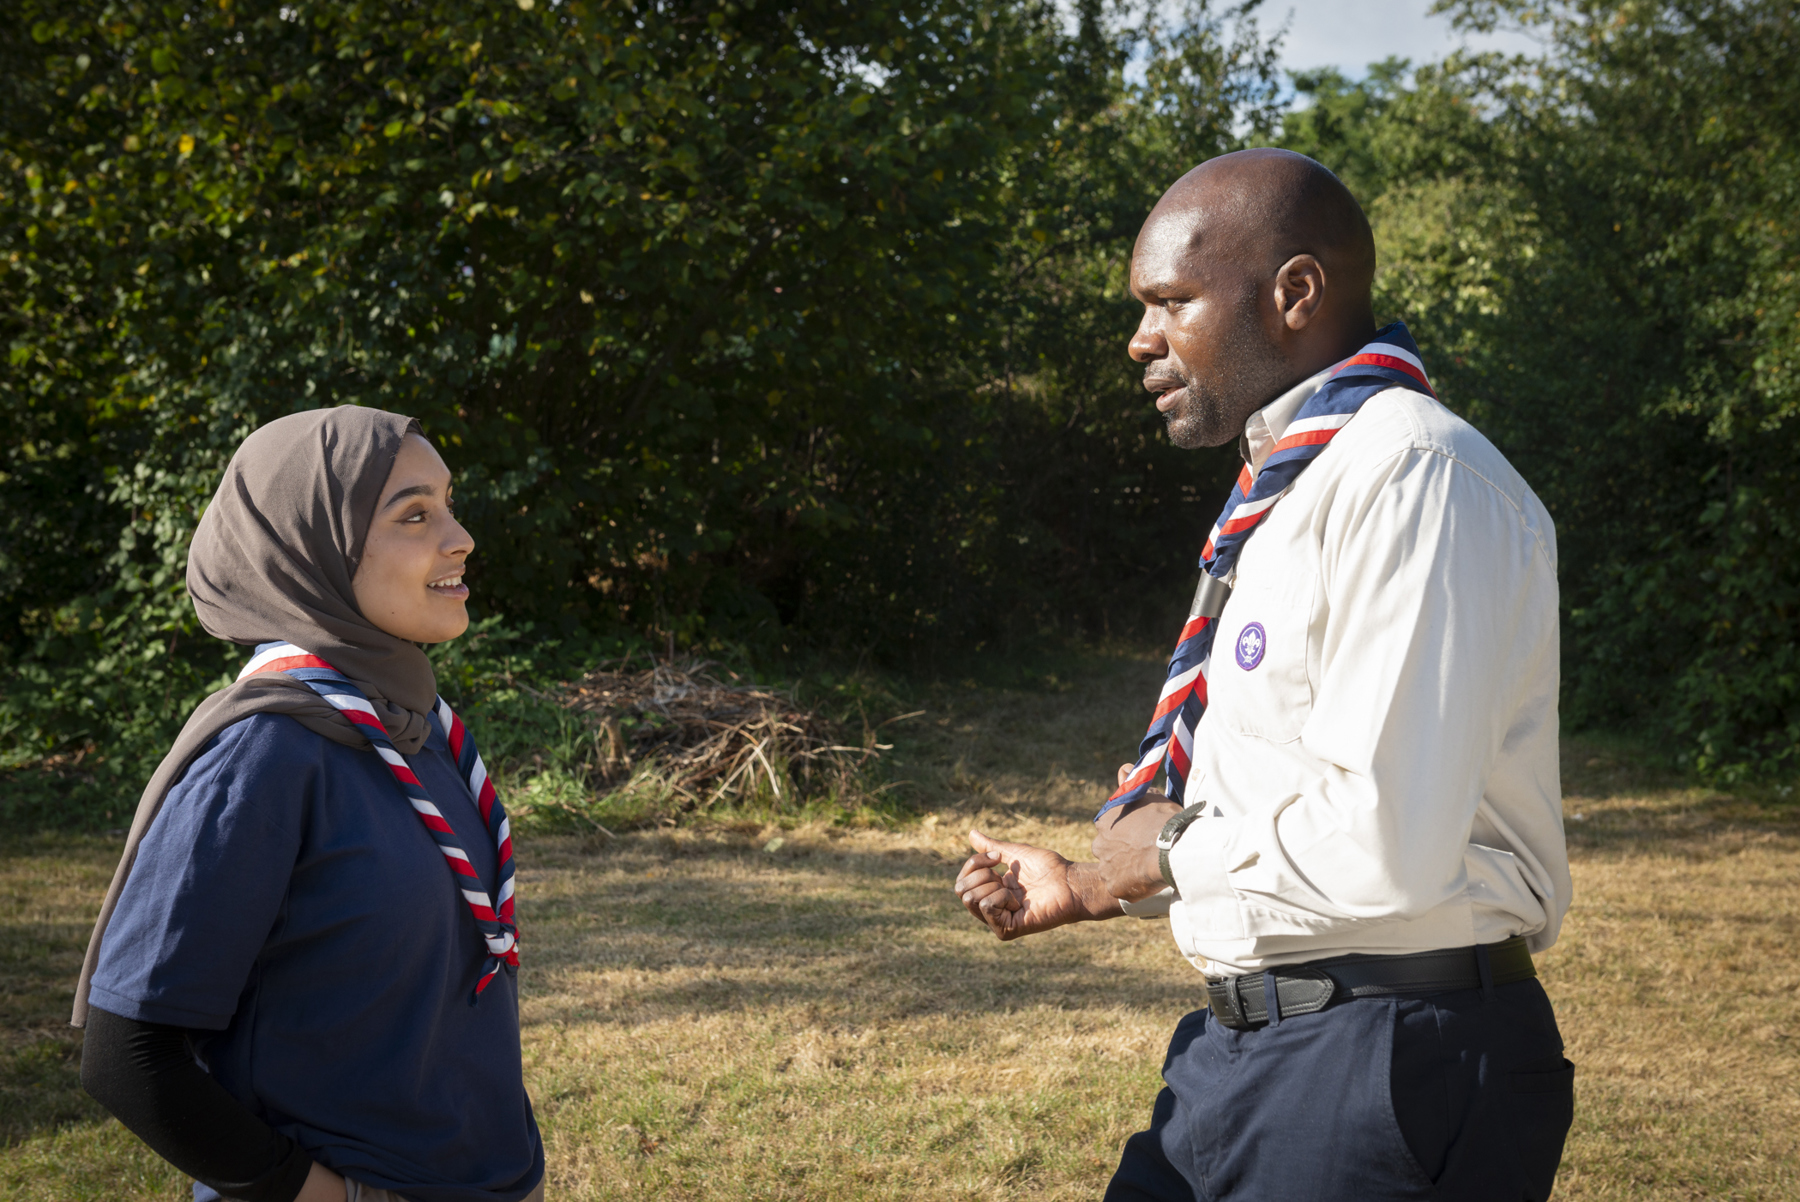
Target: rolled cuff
(1155, 906)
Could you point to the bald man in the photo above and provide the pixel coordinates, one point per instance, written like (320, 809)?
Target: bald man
(1360, 840)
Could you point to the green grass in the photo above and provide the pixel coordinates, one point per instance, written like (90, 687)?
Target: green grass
(709, 1019)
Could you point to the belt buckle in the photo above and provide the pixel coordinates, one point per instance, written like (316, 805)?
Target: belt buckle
(1231, 1012)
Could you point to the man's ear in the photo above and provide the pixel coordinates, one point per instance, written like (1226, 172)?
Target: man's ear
(1300, 291)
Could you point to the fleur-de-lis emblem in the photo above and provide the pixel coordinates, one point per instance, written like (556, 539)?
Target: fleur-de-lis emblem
(1250, 646)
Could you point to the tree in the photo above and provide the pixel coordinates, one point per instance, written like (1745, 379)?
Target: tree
(763, 321)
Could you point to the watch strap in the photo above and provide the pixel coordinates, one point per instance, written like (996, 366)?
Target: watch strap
(1171, 832)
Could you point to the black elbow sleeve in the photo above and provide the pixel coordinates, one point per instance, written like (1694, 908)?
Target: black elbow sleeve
(146, 1075)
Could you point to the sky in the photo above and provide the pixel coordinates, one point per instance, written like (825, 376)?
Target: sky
(1351, 34)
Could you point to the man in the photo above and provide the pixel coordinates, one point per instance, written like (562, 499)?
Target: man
(1362, 842)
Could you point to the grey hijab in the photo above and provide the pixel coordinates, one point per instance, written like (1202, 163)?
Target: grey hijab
(272, 560)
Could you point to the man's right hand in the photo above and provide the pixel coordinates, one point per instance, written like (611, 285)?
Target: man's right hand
(1017, 889)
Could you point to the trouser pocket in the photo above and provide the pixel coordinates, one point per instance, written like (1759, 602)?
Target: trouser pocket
(1543, 1109)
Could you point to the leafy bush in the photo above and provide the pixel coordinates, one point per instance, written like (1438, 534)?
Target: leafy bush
(796, 328)
(781, 324)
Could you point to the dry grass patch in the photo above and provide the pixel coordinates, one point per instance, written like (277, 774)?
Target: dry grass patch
(710, 1019)
(713, 1020)
(1677, 982)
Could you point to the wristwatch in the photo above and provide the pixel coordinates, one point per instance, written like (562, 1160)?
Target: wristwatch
(1171, 832)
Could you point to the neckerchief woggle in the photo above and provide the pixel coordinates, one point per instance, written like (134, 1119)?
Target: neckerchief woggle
(1391, 358)
(498, 929)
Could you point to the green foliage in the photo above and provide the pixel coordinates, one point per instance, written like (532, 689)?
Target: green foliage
(1599, 250)
(796, 327)
(791, 324)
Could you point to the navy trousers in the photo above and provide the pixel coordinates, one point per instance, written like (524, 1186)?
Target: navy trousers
(1458, 1097)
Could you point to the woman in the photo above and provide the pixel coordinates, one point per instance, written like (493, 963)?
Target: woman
(302, 982)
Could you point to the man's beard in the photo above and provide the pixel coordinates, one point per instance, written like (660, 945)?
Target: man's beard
(1203, 418)
(1214, 411)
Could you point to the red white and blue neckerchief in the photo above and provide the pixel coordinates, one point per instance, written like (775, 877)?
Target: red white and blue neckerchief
(498, 929)
(1391, 359)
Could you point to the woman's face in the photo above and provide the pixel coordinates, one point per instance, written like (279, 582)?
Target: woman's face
(410, 580)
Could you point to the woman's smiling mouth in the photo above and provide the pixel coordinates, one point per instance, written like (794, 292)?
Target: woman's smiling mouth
(451, 587)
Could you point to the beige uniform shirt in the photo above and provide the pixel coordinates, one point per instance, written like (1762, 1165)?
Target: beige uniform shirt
(1379, 756)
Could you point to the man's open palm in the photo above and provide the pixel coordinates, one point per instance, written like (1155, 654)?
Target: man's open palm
(1038, 893)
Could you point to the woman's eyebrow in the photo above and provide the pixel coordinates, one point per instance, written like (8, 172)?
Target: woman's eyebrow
(416, 490)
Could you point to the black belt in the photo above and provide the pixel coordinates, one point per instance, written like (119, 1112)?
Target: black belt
(1240, 1004)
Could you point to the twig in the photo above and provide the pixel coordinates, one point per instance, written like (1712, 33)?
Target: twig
(563, 805)
(757, 751)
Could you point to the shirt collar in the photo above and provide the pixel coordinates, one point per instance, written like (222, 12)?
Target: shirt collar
(1268, 424)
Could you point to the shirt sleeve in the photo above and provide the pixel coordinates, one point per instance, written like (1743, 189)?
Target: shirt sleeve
(210, 879)
(146, 1075)
(1439, 606)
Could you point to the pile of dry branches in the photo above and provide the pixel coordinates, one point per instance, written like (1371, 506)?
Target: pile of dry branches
(709, 740)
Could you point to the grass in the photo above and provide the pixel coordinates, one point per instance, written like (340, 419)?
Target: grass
(707, 1018)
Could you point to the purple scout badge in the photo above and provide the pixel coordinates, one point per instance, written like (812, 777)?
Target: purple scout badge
(1250, 646)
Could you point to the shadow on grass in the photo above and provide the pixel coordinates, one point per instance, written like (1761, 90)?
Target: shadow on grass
(50, 888)
(848, 934)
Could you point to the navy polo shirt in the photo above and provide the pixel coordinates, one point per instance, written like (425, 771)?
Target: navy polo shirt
(288, 901)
